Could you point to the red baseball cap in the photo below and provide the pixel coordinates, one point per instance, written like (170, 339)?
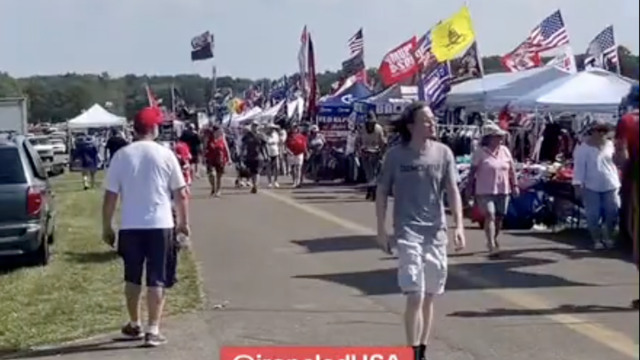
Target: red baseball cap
(148, 117)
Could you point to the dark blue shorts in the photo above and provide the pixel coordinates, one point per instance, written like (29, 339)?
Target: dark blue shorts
(150, 251)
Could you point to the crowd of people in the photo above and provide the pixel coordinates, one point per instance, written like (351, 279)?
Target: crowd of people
(152, 183)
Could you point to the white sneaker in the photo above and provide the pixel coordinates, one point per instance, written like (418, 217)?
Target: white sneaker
(270, 185)
(276, 185)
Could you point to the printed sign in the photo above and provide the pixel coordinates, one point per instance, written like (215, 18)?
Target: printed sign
(399, 64)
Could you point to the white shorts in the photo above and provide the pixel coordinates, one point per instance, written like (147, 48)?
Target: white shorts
(422, 268)
(296, 160)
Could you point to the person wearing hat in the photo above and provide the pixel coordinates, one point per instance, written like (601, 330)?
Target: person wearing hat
(597, 182)
(419, 171)
(492, 180)
(145, 176)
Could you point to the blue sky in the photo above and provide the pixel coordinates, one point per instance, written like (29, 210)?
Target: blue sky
(260, 38)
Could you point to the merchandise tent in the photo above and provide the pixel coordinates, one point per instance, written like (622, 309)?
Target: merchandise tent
(388, 102)
(96, 117)
(293, 106)
(336, 114)
(494, 91)
(591, 91)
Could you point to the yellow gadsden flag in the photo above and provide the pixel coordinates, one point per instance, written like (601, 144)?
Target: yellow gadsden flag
(452, 36)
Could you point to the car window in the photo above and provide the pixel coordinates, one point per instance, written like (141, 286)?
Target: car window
(11, 171)
(57, 141)
(35, 162)
(39, 141)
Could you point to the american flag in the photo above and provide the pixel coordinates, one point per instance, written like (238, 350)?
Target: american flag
(435, 86)
(550, 34)
(423, 54)
(602, 49)
(356, 43)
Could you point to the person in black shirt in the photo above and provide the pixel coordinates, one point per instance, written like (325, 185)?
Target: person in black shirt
(116, 142)
(192, 139)
(254, 154)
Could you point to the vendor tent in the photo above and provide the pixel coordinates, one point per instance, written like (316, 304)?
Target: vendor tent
(494, 91)
(96, 117)
(341, 103)
(389, 101)
(293, 106)
(594, 91)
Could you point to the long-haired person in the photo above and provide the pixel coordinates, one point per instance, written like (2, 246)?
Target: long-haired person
(597, 182)
(493, 181)
(297, 150)
(217, 156)
(419, 171)
(628, 152)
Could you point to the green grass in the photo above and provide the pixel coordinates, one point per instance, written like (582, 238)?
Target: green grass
(80, 293)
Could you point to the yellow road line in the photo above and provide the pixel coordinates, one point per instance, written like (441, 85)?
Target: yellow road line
(598, 333)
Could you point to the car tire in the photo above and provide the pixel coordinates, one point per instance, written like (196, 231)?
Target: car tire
(51, 238)
(42, 255)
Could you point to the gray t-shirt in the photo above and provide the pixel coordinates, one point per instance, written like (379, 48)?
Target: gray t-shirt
(418, 182)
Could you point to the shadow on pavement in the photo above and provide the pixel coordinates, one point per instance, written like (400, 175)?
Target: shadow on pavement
(562, 309)
(506, 273)
(346, 243)
(576, 238)
(104, 345)
(336, 201)
(95, 257)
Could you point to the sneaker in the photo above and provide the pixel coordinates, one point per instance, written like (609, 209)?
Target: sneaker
(154, 340)
(254, 190)
(599, 246)
(609, 244)
(276, 185)
(270, 185)
(131, 331)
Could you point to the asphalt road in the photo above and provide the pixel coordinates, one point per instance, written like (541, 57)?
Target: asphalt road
(299, 267)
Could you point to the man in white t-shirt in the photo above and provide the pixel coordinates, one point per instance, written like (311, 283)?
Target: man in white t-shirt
(146, 176)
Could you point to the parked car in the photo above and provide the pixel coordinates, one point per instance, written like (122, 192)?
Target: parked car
(27, 214)
(43, 147)
(59, 146)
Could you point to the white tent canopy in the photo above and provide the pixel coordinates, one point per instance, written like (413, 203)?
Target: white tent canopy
(96, 117)
(237, 120)
(594, 91)
(293, 106)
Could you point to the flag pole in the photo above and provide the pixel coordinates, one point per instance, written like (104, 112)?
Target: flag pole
(478, 53)
(173, 98)
(618, 68)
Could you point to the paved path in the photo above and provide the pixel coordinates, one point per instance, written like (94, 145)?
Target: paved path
(299, 267)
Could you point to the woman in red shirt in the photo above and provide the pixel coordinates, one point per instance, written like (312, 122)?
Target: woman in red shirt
(217, 157)
(296, 149)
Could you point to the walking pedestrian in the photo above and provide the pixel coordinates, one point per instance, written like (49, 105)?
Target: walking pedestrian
(191, 137)
(597, 182)
(628, 151)
(86, 150)
(273, 146)
(217, 157)
(419, 171)
(145, 176)
(115, 142)
(254, 155)
(493, 181)
(297, 150)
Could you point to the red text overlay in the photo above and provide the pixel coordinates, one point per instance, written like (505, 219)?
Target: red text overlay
(316, 353)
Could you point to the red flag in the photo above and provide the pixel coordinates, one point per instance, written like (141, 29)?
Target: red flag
(312, 80)
(524, 57)
(399, 64)
(153, 100)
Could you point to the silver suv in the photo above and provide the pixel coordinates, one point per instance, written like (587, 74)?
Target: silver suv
(27, 214)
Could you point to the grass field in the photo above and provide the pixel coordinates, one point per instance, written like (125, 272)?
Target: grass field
(80, 293)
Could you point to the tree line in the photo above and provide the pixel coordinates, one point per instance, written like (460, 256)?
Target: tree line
(56, 98)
